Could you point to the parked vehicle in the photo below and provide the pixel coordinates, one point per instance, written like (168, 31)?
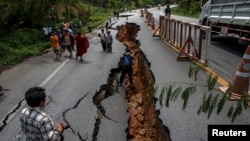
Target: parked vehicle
(227, 17)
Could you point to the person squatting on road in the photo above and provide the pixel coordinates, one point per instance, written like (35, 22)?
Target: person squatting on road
(35, 123)
(126, 66)
(82, 44)
(55, 44)
(102, 36)
(69, 42)
(109, 41)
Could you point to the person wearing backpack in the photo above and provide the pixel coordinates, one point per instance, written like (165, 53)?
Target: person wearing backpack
(127, 61)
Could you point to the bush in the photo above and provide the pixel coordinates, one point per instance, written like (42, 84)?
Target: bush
(19, 44)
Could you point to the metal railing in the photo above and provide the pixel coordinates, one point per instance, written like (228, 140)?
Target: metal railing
(190, 40)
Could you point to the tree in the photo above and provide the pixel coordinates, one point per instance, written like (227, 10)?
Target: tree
(191, 6)
(25, 13)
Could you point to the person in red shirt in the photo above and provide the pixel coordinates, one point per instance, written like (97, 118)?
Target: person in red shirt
(82, 44)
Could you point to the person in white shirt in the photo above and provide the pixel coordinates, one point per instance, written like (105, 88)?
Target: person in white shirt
(46, 33)
(103, 36)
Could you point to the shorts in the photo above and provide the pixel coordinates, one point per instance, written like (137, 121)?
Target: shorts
(56, 50)
(69, 47)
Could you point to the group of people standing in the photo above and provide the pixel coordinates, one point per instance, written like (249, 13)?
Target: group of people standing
(35, 123)
(61, 41)
(106, 40)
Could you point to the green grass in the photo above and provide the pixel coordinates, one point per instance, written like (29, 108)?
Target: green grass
(183, 12)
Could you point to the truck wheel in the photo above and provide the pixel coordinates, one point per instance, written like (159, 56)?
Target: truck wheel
(204, 23)
(212, 33)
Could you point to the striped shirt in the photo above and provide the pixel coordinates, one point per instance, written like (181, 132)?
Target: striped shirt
(37, 125)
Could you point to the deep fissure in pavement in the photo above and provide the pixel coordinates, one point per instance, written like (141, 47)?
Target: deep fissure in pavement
(144, 122)
(68, 124)
(8, 117)
(105, 91)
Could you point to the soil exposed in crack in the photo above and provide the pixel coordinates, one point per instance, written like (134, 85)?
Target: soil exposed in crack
(144, 123)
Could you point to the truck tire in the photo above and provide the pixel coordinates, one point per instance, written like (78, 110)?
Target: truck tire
(205, 23)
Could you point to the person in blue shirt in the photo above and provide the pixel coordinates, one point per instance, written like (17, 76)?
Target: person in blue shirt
(127, 61)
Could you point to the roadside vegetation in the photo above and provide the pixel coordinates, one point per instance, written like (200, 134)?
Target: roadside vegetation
(182, 12)
(189, 8)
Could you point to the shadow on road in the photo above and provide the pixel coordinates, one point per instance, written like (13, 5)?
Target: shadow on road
(229, 44)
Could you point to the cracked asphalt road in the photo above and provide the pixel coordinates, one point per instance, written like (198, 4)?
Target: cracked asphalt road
(71, 88)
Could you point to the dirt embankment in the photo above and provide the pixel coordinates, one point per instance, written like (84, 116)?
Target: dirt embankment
(144, 123)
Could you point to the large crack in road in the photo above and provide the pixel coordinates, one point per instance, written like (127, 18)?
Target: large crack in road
(105, 91)
(68, 124)
(144, 122)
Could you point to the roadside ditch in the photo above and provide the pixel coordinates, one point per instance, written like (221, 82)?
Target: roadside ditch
(144, 123)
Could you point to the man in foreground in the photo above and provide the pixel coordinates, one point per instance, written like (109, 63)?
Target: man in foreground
(35, 123)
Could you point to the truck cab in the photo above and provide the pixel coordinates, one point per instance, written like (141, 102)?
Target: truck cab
(205, 5)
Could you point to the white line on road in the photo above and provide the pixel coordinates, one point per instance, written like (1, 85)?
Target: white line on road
(53, 74)
(12, 113)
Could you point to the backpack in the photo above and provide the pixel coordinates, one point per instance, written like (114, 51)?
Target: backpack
(127, 60)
